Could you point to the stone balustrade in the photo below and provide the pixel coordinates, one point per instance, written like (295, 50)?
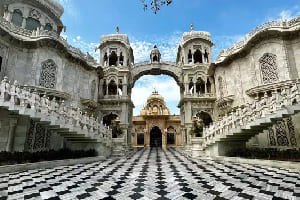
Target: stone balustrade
(30, 102)
(281, 24)
(259, 108)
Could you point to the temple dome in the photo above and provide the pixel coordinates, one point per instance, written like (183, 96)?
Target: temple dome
(155, 95)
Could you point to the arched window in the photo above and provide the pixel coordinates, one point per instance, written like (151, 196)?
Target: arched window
(32, 24)
(109, 119)
(17, 17)
(48, 27)
(113, 58)
(206, 57)
(190, 57)
(198, 56)
(206, 118)
(200, 86)
(112, 88)
(208, 86)
(48, 74)
(268, 67)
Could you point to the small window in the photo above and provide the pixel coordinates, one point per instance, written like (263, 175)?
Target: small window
(113, 58)
(32, 24)
(190, 57)
(112, 88)
(48, 27)
(17, 18)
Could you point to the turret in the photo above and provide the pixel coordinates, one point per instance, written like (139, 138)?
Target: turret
(115, 50)
(195, 48)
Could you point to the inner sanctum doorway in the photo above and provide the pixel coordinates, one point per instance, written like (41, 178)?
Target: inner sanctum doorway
(155, 137)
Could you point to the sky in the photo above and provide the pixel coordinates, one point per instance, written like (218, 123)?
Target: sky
(228, 21)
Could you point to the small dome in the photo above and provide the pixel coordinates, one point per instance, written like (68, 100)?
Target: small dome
(155, 95)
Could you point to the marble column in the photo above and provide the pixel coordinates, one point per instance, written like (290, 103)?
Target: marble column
(11, 134)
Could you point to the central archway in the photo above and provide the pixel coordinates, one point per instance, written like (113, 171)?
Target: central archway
(148, 68)
(155, 137)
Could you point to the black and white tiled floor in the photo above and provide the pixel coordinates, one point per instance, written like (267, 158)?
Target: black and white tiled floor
(153, 174)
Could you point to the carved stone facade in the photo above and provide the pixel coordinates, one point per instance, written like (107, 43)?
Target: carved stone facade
(38, 137)
(269, 69)
(48, 74)
(155, 125)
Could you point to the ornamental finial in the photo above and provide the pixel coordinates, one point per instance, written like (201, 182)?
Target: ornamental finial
(117, 30)
(192, 27)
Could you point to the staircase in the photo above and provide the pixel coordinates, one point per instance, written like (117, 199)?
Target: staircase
(69, 122)
(251, 119)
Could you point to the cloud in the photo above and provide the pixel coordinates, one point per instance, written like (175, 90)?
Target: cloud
(224, 42)
(84, 46)
(286, 14)
(165, 85)
(69, 7)
(167, 45)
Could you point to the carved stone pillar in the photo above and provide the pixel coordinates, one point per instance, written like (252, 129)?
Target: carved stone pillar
(8, 15)
(11, 134)
(164, 141)
(24, 22)
(101, 88)
(195, 91)
(124, 87)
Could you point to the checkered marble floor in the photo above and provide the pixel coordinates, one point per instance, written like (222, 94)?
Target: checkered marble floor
(153, 174)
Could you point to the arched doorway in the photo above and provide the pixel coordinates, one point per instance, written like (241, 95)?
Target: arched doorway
(155, 137)
(206, 118)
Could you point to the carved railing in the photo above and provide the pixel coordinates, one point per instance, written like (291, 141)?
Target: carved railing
(260, 108)
(39, 34)
(30, 102)
(282, 24)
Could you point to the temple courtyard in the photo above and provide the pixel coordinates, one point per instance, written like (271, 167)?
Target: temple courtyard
(153, 173)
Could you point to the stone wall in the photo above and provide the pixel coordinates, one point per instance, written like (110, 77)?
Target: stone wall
(25, 65)
(245, 73)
